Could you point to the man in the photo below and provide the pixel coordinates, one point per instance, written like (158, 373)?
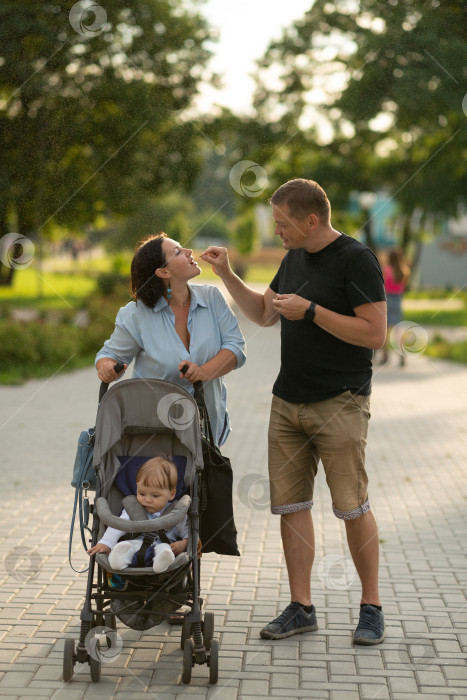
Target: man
(329, 296)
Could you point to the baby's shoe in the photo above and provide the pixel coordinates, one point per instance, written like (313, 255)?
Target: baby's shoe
(121, 555)
(163, 557)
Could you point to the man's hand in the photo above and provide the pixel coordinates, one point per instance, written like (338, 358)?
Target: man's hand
(291, 306)
(218, 258)
(99, 548)
(194, 372)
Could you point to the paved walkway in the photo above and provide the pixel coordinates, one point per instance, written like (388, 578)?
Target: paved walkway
(416, 459)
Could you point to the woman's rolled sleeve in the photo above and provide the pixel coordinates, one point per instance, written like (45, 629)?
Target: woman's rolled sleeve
(121, 346)
(231, 336)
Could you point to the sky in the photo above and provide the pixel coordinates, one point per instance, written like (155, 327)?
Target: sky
(245, 29)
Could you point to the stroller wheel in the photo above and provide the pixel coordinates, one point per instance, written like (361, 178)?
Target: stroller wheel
(208, 629)
(68, 659)
(214, 662)
(186, 631)
(95, 660)
(111, 624)
(110, 621)
(187, 661)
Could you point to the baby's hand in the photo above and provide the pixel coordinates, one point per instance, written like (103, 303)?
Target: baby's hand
(179, 546)
(99, 548)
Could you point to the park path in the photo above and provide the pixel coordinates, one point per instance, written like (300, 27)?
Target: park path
(418, 489)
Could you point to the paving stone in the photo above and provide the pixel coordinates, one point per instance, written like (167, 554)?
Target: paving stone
(403, 684)
(254, 687)
(423, 563)
(454, 673)
(16, 679)
(373, 692)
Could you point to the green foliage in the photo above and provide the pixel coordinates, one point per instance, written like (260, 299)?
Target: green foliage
(108, 281)
(39, 349)
(211, 225)
(402, 60)
(443, 350)
(245, 233)
(171, 213)
(90, 126)
(57, 342)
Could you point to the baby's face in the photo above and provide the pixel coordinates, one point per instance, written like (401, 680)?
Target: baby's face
(153, 498)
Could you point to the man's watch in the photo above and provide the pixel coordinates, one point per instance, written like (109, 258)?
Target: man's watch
(310, 312)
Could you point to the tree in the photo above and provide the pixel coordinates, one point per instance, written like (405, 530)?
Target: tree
(92, 103)
(377, 88)
(170, 213)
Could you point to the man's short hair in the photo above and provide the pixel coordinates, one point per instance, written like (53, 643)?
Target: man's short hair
(303, 197)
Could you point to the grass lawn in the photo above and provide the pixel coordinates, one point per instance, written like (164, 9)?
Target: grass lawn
(454, 317)
(47, 290)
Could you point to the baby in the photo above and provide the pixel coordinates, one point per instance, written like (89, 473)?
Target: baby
(156, 483)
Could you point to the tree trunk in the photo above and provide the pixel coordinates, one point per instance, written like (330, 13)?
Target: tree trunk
(6, 271)
(368, 232)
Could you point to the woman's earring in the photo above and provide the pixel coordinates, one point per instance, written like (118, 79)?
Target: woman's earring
(169, 293)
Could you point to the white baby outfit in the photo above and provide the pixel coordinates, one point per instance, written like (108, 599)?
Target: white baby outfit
(122, 553)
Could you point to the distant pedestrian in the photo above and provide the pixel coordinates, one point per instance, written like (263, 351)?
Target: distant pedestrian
(396, 274)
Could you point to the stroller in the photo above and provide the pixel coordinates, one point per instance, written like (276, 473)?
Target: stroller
(138, 419)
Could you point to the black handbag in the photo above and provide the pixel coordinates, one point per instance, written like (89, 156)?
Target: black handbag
(217, 526)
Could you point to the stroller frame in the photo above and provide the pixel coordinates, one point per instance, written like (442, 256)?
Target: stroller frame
(175, 587)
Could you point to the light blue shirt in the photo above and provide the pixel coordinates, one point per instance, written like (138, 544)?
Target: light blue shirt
(149, 337)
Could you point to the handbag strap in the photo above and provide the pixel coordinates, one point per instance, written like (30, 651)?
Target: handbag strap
(83, 510)
(203, 411)
(201, 401)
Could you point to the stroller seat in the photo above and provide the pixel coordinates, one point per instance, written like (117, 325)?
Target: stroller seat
(122, 495)
(164, 522)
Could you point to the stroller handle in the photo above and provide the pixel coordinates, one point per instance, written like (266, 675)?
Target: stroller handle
(119, 367)
(196, 385)
(200, 400)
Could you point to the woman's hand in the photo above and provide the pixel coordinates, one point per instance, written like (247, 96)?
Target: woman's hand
(105, 370)
(194, 373)
(99, 548)
(179, 546)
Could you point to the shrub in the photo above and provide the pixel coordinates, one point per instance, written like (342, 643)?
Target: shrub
(27, 346)
(107, 282)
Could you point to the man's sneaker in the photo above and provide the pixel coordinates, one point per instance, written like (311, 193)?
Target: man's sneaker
(294, 620)
(370, 629)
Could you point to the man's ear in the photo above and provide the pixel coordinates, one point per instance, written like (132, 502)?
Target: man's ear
(313, 220)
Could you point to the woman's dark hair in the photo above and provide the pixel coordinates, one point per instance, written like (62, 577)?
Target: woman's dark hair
(145, 284)
(400, 269)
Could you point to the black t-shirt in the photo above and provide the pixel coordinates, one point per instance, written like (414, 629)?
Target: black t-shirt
(316, 365)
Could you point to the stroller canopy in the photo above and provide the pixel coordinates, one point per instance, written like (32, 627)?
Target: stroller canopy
(151, 407)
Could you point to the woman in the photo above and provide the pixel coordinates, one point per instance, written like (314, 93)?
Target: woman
(171, 323)
(396, 275)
